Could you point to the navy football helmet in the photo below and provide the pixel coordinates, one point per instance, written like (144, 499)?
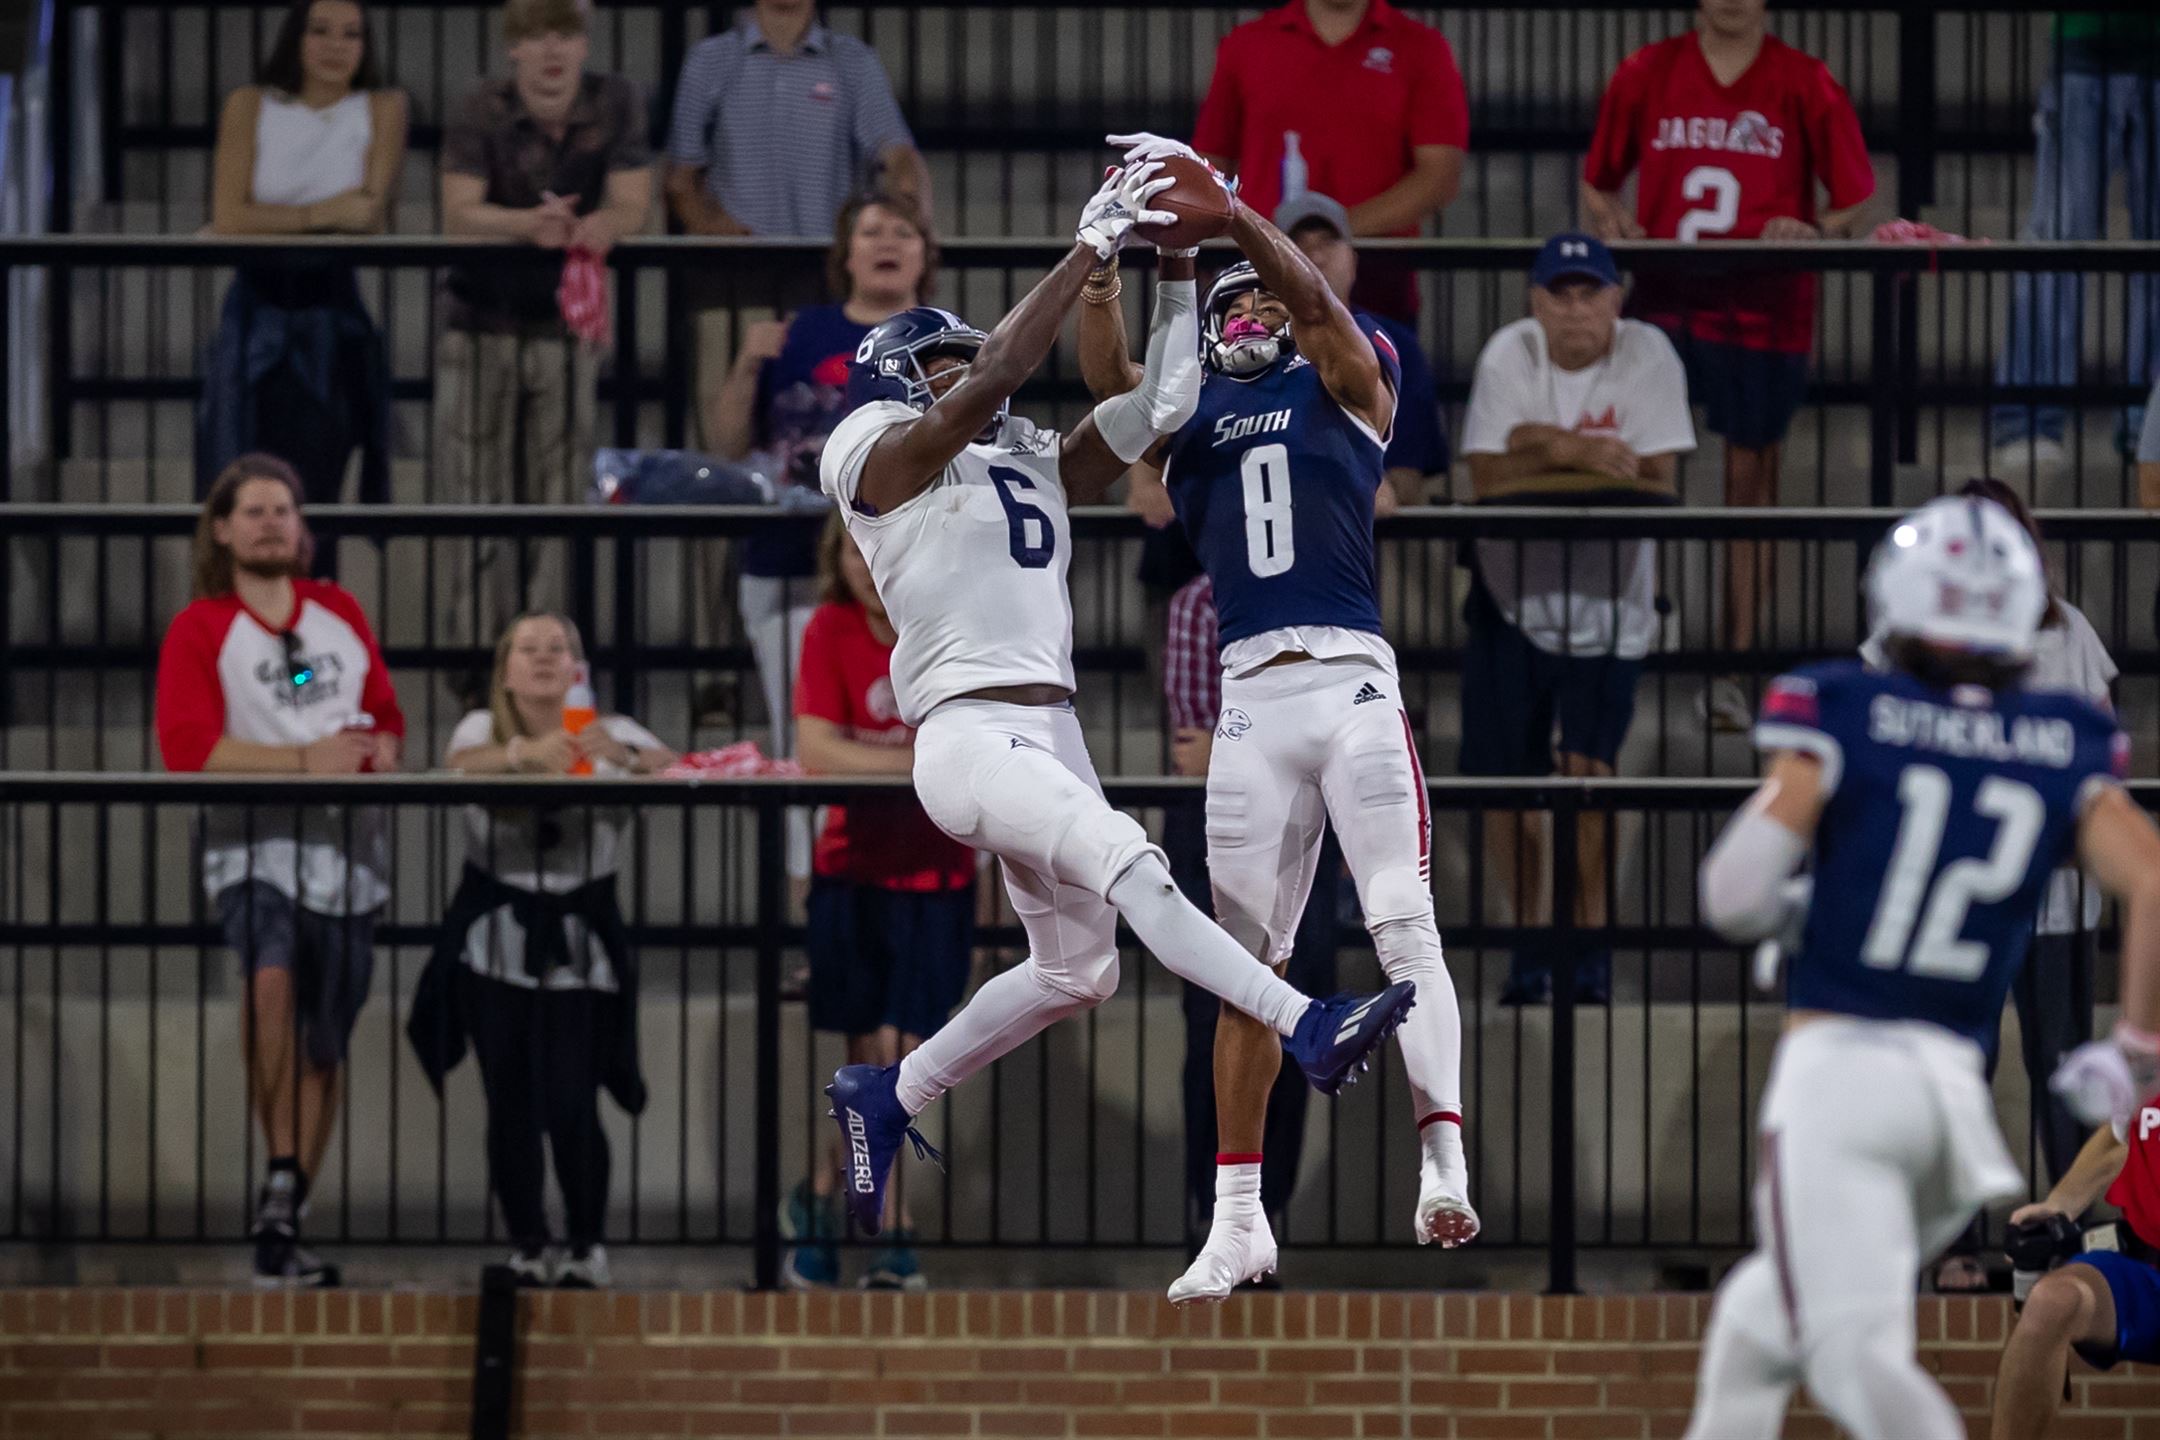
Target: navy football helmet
(1249, 355)
(889, 362)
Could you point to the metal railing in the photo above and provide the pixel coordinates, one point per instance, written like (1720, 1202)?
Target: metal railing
(87, 591)
(123, 1114)
(1904, 376)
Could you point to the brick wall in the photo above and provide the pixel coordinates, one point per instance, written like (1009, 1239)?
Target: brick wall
(169, 1363)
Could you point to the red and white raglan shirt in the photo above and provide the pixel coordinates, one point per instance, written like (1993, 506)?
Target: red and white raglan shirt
(1719, 162)
(224, 672)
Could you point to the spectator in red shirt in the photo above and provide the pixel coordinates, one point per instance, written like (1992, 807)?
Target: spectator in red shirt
(2105, 1303)
(1354, 99)
(269, 672)
(1733, 131)
(892, 897)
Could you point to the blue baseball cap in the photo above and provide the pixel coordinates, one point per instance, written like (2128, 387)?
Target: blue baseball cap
(1573, 256)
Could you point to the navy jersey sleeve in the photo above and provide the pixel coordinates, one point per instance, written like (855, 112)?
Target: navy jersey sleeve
(1383, 344)
(1803, 711)
(1417, 442)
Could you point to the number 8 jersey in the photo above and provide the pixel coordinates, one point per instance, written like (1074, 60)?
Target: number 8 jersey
(1273, 482)
(972, 570)
(1948, 811)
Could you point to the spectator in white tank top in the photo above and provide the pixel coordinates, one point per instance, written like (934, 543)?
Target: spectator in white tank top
(313, 148)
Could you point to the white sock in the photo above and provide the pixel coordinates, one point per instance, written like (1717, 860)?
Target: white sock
(1431, 1035)
(1195, 948)
(1440, 1142)
(1237, 1187)
(1009, 1010)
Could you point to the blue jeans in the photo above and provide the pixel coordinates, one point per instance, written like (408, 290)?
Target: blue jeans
(2088, 126)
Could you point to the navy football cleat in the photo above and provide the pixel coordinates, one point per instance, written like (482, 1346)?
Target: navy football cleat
(866, 1103)
(1335, 1039)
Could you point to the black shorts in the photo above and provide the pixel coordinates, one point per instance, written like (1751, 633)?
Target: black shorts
(1514, 695)
(887, 957)
(1748, 396)
(331, 957)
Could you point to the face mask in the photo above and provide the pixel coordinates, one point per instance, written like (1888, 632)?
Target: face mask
(1243, 328)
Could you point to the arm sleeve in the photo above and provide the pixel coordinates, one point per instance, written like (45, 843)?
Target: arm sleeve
(378, 697)
(1494, 396)
(1219, 130)
(1660, 422)
(877, 118)
(688, 140)
(840, 464)
(190, 701)
(820, 688)
(1439, 108)
(1612, 146)
(1838, 151)
(1417, 443)
(1792, 719)
(464, 138)
(631, 147)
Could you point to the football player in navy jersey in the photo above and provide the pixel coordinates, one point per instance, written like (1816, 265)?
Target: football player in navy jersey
(1937, 798)
(1273, 480)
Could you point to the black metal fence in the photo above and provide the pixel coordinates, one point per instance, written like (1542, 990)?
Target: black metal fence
(87, 591)
(1905, 378)
(124, 1117)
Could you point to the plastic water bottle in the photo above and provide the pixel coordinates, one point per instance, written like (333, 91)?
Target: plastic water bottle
(579, 710)
(1293, 166)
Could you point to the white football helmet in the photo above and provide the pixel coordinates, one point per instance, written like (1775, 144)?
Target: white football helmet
(1960, 572)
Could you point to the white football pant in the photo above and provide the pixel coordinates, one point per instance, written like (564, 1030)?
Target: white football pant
(1879, 1142)
(1296, 745)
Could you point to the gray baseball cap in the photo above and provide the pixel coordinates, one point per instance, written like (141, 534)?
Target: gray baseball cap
(1309, 206)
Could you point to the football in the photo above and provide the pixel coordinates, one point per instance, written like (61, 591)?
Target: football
(1197, 199)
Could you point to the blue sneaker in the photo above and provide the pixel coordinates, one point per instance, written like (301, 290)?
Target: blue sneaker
(812, 1221)
(866, 1103)
(896, 1268)
(1335, 1039)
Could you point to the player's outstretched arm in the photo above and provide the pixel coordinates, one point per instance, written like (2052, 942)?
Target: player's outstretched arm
(1106, 363)
(1321, 324)
(908, 456)
(1133, 423)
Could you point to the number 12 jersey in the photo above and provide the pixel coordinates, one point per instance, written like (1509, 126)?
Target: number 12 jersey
(1274, 482)
(1948, 812)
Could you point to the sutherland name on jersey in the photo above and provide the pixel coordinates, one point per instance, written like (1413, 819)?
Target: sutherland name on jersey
(1749, 133)
(1976, 734)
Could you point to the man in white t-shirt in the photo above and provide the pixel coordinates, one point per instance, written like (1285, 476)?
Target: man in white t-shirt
(1575, 406)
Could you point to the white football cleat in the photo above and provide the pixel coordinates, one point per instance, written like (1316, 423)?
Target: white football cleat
(1236, 1251)
(1444, 1216)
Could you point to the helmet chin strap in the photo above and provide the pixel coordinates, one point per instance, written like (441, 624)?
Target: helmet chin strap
(1248, 345)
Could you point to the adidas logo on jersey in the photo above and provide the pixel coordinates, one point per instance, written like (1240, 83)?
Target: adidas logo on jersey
(1366, 692)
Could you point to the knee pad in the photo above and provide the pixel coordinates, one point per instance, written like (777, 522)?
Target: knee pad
(1098, 848)
(1398, 896)
(1091, 981)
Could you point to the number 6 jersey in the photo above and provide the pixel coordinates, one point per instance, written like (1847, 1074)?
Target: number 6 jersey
(1273, 482)
(1948, 811)
(972, 570)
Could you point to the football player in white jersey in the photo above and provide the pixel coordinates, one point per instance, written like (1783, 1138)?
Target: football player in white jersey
(960, 511)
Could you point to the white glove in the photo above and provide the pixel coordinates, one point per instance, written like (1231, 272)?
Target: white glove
(1143, 147)
(1796, 895)
(2106, 1080)
(1106, 222)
